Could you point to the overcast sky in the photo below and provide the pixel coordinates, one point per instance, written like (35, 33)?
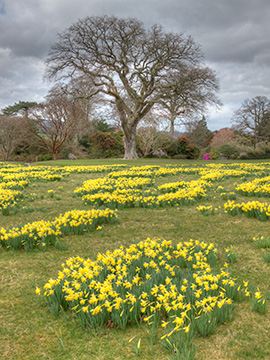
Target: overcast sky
(234, 36)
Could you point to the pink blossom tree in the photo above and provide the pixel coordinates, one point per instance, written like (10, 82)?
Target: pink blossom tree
(223, 136)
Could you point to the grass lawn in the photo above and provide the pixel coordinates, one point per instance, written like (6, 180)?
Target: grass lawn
(29, 331)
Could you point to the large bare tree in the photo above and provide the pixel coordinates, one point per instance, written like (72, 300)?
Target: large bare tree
(125, 61)
(54, 121)
(253, 117)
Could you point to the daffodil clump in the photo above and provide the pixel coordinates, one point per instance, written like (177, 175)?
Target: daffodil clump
(254, 209)
(135, 192)
(154, 282)
(175, 186)
(43, 233)
(258, 187)
(8, 200)
(153, 171)
(259, 303)
(14, 185)
(262, 242)
(231, 255)
(92, 169)
(30, 174)
(207, 210)
(110, 185)
(230, 195)
(135, 171)
(220, 174)
(14, 179)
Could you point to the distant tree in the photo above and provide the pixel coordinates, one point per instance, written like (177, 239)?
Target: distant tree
(54, 121)
(198, 133)
(189, 91)
(133, 67)
(223, 136)
(150, 140)
(11, 129)
(253, 117)
(102, 125)
(20, 108)
(265, 127)
(78, 90)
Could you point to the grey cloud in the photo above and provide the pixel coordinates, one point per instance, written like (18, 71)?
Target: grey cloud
(2, 8)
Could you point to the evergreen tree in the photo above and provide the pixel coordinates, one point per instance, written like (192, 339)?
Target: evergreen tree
(198, 133)
(20, 108)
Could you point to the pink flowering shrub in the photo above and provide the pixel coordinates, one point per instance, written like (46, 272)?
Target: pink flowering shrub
(206, 156)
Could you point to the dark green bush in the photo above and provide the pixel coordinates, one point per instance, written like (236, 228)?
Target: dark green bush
(228, 151)
(256, 154)
(261, 153)
(179, 146)
(243, 156)
(45, 157)
(194, 152)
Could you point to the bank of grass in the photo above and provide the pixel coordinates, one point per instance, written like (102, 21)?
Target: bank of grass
(29, 331)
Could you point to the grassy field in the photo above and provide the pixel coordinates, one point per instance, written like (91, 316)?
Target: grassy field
(29, 331)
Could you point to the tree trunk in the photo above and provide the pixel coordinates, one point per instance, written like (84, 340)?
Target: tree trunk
(172, 120)
(130, 144)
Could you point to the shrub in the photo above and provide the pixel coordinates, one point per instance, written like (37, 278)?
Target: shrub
(45, 157)
(214, 154)
(243, 156)
(206, 156)
(261, 153)
(228, 151)
(194, 152)
(179, 156)
(179, 146)
(256, 154)
(105, 144)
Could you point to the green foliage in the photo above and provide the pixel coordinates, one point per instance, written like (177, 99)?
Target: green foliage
(229, 151)
(100, 125)
(20, 107)
(45, 157)
(84, 141)
(266, 256)
(231, 255)
(214, 154)
(179, 146)
(194, 152)
(198, 133)
(259, 304)
(262, 152)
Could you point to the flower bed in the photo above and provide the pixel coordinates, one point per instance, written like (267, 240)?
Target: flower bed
(42, 233)
(155, 282)
(254, 209)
